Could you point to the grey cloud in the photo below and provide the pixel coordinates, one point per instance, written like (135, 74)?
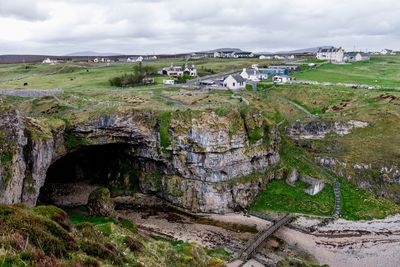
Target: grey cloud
(156, 26)
(22, 9)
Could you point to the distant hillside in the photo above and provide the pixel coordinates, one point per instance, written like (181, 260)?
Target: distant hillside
(91, 54)
(22, 58)
(222, 49)
(299, 51)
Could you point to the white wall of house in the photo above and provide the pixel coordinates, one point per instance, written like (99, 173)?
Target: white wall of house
(337, 56)
(232, 84)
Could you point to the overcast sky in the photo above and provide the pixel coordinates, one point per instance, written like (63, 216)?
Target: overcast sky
(172, 26)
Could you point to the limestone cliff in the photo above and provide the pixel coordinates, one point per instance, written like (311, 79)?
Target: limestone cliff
(198, 160)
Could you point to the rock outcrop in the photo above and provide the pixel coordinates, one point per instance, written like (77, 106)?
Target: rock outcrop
(382, 180)
(319, 129)
(100, 203)
(197, 160)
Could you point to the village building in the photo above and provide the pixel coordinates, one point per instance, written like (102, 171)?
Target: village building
(198, 55)
(278, 57)
(235, 82)
(331, 53)
(356, 56)
(176, 71)
(387, 52)
(243, 54)
(253, 75)
(282, 79)
(134, 59)
(49, 61)
(290, 68)
(224, 54)
(265, 57)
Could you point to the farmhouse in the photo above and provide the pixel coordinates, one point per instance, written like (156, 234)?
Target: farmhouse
(253, 75)
(356, 56)
(282, 79)
(175, 71)
(235, 82)
(332, 54)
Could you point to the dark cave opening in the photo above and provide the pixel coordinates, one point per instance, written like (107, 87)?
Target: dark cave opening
(71, 179)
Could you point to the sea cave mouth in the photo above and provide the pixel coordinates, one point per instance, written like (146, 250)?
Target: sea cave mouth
(71, 178)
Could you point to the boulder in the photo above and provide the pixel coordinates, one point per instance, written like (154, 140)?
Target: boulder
(100, 203)
(293, 177)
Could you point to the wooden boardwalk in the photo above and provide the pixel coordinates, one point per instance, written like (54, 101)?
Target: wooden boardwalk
(262, 236)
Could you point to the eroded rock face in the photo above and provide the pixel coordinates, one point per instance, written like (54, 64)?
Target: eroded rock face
(319, 129)
(382, 180)
(210, 163)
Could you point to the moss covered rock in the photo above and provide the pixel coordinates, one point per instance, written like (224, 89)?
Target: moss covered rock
(100, 203)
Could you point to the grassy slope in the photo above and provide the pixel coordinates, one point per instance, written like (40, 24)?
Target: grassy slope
(45, 236)
(382, 71)
(357, 204)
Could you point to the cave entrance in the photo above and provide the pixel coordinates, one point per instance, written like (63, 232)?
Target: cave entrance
(71, 179)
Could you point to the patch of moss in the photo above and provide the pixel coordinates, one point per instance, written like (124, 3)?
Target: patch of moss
(165, 138)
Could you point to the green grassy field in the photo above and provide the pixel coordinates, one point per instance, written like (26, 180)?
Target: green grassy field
(73, 75)
(379, 71)
(378, 144)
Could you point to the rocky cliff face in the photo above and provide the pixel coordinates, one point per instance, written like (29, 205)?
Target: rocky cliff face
(197, 160)
(319, 129)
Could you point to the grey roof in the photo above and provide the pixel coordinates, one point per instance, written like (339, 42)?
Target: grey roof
(252, 72)
(330, 49)
(238, 78)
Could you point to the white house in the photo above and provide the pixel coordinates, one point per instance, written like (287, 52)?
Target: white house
(224, 53)
(175, 71)
(253, 75)
(135, 59)
(279, 57)
(282, 79)
(387, 52)
(49, 61)
(331, 53)
(235, 82)
(356, 56)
